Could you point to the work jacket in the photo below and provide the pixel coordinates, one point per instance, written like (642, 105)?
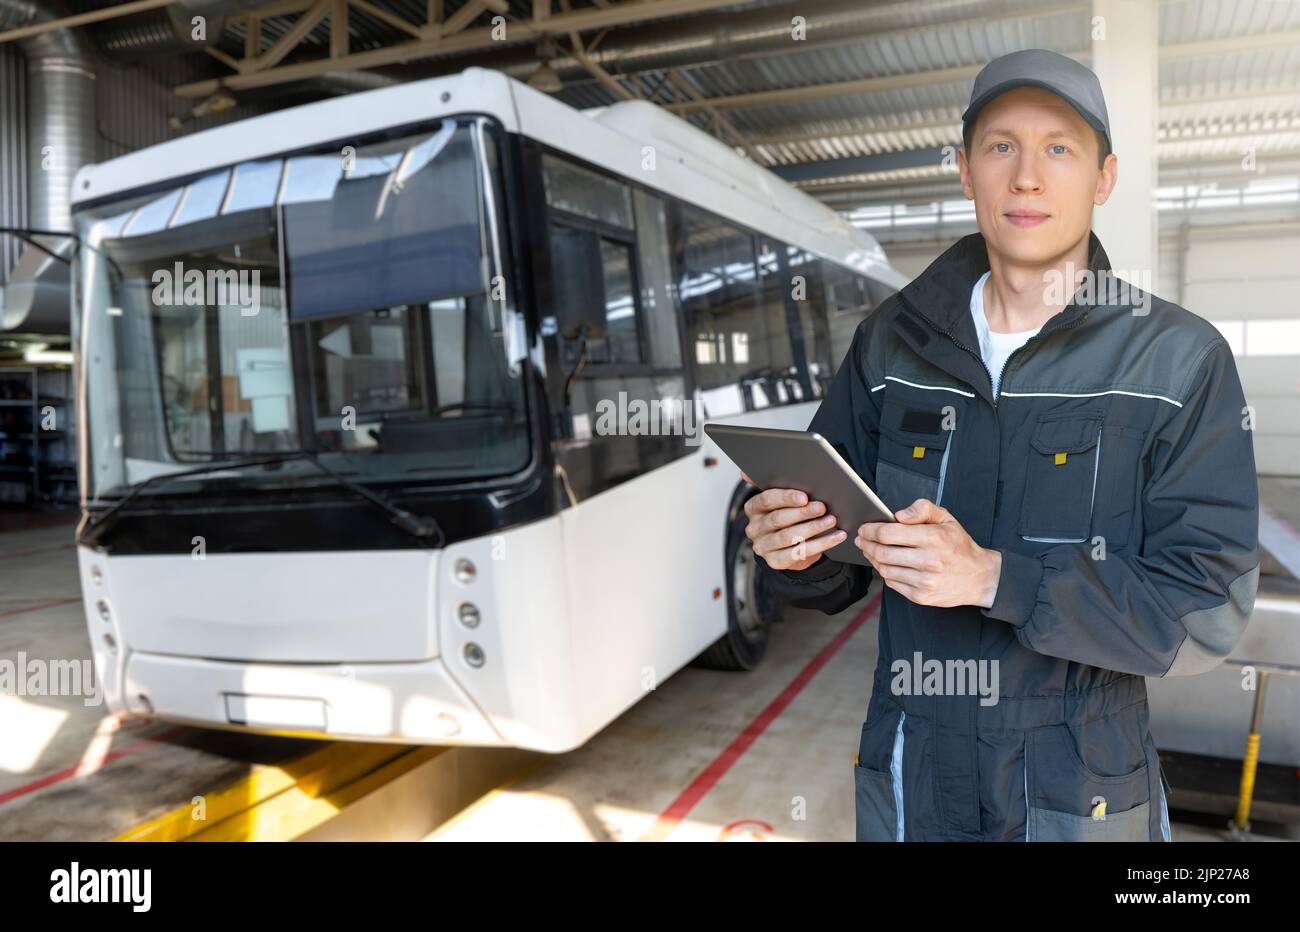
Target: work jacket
(1115, 472)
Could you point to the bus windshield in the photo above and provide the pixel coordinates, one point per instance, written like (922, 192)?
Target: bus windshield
(338, 301)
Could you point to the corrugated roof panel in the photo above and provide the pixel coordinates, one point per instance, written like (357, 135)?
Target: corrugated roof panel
(1203, 20)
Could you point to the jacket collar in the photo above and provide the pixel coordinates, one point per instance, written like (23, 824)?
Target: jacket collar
(941, 293)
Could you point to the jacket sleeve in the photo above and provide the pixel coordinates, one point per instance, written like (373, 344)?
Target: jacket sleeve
(1178, 604)
(848, 418)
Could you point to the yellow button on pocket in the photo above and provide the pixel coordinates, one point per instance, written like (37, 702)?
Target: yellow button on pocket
(918, 453)
(1060, 459)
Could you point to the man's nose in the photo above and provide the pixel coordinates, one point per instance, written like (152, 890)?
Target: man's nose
(1027, 176)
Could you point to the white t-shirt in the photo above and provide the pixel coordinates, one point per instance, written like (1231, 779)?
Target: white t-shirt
(994, 347)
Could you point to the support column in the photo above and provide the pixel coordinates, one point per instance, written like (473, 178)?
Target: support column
(1125, 57)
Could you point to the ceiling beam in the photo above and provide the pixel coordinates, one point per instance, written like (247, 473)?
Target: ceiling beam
(605, 78)
(339, 28)
(683, 85)
(462, 17)
(304, 24)
(629, 11)
(392, 19)
(82, 19)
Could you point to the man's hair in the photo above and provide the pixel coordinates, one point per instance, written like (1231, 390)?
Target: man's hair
(1103, 147)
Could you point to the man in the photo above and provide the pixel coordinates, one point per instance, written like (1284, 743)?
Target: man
(1076, 463)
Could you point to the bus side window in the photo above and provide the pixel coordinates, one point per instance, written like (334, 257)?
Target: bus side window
(846, 305)
(592, 251)
(789, 379)
(591, 269)
(662, 328)
(807, 275)
(609, 250)
(874, 293)
(741, 353)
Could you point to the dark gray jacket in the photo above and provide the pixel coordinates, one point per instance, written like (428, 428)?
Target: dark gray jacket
(1116, 474)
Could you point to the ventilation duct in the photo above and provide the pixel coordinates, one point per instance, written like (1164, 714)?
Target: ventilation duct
(60, 139)
(171, 30)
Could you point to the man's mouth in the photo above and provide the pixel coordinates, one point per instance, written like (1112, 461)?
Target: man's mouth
(1025, 218)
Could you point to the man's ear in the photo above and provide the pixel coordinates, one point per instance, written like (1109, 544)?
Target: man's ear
(963, 165)
(1107, 178)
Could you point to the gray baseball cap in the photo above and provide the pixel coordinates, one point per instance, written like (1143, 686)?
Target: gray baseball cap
(1052, 71)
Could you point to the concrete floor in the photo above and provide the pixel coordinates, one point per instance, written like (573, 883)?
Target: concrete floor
(707, 756)
(68, 772)
(712, 756)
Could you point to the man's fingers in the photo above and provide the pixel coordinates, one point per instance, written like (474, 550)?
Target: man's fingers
(903, 575)
(916, 558)
(911, 593)
(763, 523)
(781, 537)
(771, 499)
(899, 535)
(786, 557)
(922, 511)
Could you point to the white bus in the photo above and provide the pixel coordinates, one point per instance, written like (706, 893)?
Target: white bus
(341, 376)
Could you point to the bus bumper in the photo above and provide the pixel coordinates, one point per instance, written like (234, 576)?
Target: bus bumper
(407, 702)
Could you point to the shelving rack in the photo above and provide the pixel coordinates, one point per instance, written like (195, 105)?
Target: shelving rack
(37, 436)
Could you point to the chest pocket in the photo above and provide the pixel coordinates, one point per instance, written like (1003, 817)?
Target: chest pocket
(913, 454)
(1061, 478)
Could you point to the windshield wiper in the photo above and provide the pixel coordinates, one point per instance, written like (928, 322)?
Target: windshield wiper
(421, 526)
(104, 519)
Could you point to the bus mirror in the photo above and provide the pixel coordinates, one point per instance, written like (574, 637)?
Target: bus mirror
(579, 277)
(573, 323)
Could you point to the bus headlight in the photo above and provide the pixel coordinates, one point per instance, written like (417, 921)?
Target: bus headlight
(469, 616)
(105, 613)
(465, 572)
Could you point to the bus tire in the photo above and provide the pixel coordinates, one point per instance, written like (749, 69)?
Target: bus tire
(751, 608)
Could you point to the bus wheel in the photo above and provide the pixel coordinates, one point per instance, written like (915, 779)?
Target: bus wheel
(751, 608)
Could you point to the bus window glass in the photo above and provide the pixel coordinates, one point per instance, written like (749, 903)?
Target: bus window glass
(368, 362)
(320, 305)
(734, 351)
(579, 191)
(814, 317)
(788, 379)
(661, 322)
(595, 272)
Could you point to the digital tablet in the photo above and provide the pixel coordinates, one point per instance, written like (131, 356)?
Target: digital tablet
(800, 459)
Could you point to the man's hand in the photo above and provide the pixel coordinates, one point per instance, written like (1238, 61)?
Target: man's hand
(929, 557)
(784, 528)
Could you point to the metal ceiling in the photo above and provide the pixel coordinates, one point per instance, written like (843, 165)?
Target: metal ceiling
(1229, 73)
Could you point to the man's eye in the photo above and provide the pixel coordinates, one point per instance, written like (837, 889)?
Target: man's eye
(996, 144)
(1060, 146)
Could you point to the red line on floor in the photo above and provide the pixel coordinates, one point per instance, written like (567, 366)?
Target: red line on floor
(40, 605)
(61, 775)
(699, 788)
(27, 553)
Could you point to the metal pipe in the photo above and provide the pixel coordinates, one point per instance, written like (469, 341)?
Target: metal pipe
(60, 139)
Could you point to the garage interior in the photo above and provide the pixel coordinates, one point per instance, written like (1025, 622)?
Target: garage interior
(858, 105)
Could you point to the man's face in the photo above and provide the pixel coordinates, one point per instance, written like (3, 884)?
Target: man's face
(1032, 172)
